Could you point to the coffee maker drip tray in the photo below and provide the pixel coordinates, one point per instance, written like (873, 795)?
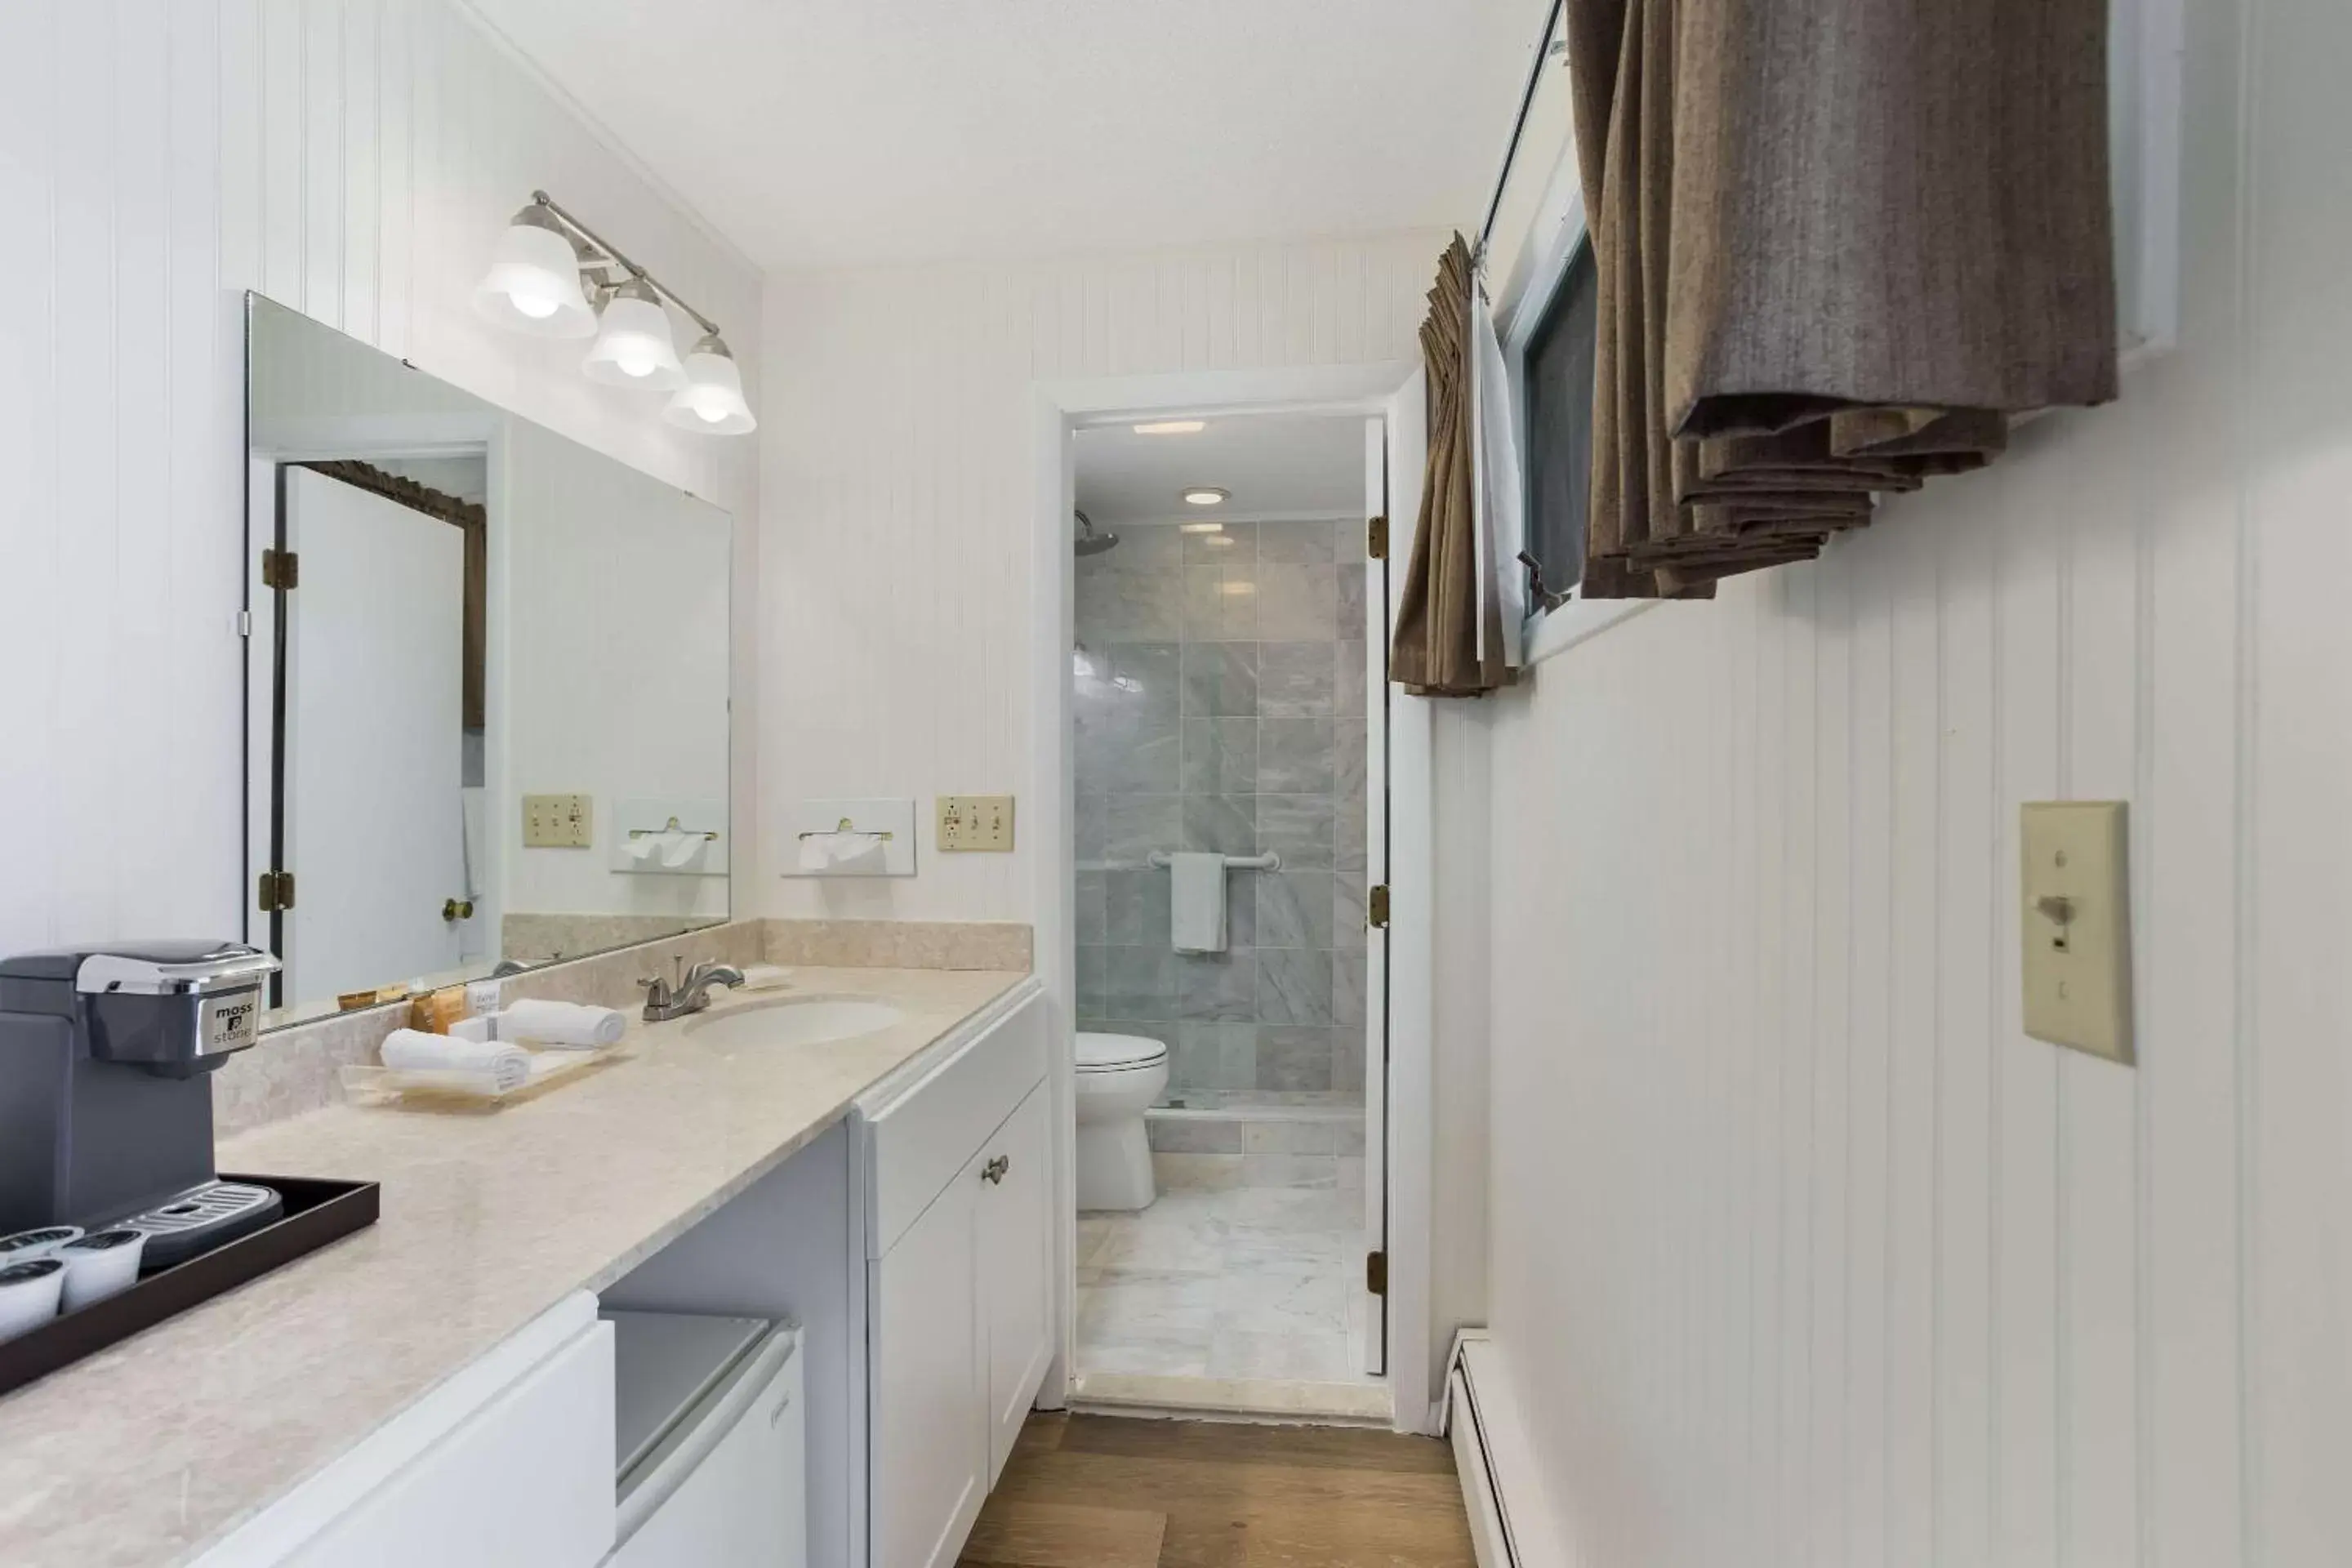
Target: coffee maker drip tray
(202, 1218)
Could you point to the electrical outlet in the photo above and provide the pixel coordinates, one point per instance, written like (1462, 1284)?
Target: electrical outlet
(558, 821)
(975, 822)
(2076, 924)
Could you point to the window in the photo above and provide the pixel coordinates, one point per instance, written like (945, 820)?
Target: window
(1557, 369)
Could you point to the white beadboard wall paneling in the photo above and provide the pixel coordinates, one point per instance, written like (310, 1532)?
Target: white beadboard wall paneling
(1802, 1251)
(896, 590)
(354, 159)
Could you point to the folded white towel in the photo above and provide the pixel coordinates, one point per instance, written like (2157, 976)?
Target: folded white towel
(843, 855)
(465, 1063)
(568, 1024)
(1196, 903)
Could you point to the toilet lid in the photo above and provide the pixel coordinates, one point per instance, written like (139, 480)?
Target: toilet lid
(1108, 1053)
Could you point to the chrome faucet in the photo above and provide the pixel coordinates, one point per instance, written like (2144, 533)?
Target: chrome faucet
(692, 991)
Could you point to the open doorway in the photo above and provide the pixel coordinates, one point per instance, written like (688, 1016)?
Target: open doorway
(1228, 700)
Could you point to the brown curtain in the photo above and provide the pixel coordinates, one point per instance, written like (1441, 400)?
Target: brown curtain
(1437, 652)
(462, 514)
(1837, 245)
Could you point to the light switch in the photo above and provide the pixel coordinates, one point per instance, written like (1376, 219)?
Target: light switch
(975, 822)
(558, 821)
(2077, 921)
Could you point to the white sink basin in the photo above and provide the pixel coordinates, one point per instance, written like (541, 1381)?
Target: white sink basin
(794, 1021)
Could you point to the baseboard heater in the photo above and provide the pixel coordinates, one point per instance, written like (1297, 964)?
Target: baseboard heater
(1509, 1527)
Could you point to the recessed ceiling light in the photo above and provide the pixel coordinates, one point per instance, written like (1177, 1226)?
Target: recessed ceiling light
(1172, 428)
(1200, 527)
(1207, 494)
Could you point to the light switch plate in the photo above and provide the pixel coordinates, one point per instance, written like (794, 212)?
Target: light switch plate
(558, 821)
(976, 822)
(2076, 917)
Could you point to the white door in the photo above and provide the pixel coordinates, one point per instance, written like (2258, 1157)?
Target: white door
(374, 821)
(1016, 1269)
(1372, 1308)
(929, 1441)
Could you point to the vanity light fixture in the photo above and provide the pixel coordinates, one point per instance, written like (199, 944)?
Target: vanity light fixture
(533, 283)
(1172, 428)
(552, 276)
(633, 346)
(711, 401)
(1200, 527)
(1206, 495)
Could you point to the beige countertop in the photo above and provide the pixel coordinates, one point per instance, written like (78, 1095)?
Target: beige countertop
(155, 1448)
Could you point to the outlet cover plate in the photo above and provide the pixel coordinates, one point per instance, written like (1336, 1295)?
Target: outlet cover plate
(2075, 915)
(975, 824)
(557, 821)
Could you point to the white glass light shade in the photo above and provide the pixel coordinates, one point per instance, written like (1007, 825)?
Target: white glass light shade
(533, 283)
(633, 346)
(711, 401)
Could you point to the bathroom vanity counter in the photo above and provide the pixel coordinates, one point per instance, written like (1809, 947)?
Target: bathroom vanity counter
(149, 1452)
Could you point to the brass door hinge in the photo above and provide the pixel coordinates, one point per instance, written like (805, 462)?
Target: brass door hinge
(1376, 538)
(275, 891)
(1376, 908)
(280, 569)
(1376, 1273)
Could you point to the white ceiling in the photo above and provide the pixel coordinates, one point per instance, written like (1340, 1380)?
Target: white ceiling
(1274, 464)
(820, 134)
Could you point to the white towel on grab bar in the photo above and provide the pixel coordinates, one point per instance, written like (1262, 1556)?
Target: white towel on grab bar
(1196, 903)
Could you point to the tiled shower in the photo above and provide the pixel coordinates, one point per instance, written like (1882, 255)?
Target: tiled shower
(1221, 704)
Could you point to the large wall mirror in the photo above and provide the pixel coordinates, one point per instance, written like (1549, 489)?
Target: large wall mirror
(487, 713)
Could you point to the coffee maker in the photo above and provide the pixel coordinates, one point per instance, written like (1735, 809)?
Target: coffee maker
(106, 1108)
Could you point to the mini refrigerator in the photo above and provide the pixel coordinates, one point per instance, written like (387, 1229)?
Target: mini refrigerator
(709, 1443)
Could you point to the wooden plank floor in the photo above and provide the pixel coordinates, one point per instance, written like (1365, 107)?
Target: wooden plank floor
(1097, 1491)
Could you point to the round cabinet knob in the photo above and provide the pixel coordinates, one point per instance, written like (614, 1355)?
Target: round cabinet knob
(456, 909)
(993, 1172)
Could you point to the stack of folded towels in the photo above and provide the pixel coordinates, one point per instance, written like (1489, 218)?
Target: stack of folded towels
(486, 1055)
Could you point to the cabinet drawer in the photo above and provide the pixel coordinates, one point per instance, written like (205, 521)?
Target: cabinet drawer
(921, 1138)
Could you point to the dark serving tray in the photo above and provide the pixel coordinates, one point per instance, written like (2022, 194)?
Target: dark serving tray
(316, 1213)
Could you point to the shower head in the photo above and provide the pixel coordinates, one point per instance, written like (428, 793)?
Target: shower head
(1089, 541)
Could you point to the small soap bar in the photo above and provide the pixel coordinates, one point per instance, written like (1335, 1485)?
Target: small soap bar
(438, 1012)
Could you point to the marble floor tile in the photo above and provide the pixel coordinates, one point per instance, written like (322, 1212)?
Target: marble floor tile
(1182, 1173)
(1328, 1252)
(1312, 1357)
(1255, 1287)
(1281, 1303)
(1290, 1171)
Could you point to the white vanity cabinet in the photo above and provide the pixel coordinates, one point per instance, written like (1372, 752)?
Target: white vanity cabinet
(960, 1288)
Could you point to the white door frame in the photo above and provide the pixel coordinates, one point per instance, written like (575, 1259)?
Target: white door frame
(1061, 408)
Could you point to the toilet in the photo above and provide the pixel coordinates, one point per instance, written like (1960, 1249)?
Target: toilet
(1120, 1076)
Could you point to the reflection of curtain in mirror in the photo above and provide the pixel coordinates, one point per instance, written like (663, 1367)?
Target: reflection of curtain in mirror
(475, 521)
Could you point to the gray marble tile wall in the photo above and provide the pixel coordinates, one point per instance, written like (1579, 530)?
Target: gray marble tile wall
(1221, 704)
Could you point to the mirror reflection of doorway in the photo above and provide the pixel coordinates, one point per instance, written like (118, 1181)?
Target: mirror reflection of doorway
(380, 718)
